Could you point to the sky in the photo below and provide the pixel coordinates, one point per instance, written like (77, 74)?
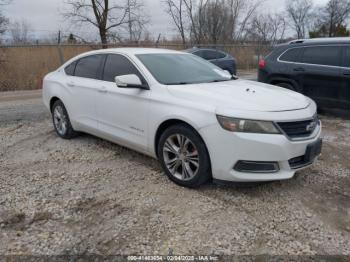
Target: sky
(45, 19)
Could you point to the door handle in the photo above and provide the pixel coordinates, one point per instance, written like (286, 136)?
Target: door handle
(71, 84)
(103, 90)
(299, 69)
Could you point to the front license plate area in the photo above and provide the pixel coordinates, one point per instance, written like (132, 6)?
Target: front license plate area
(312, 151)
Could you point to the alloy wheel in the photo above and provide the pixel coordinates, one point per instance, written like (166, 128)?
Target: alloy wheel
(181, 157)
(60, 120)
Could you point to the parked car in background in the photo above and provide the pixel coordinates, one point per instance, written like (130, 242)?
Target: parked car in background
(318, 68)
(198, 120)
(217, 57)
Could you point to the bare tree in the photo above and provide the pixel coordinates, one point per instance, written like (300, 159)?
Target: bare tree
(267, 28)
(336, 13)
(299, 12)
(241, 13)
(137, 19)
(105, 15)
(332, 19)
(3, 24)
(20, 32)
(216, 18)
(196, 16)
(3, 20)
(176, 10)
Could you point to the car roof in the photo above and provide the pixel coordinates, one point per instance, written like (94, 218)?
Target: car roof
(317, 41)
(134, 51)
(193, 49)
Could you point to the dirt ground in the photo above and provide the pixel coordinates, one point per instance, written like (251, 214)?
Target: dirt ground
(89, 196)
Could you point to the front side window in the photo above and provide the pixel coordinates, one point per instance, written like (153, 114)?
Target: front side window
(181, 69)
(321, 55)
(117, 65)
(89, 67)
(220, 55)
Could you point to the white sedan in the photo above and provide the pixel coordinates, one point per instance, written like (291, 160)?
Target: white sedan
(200, 122)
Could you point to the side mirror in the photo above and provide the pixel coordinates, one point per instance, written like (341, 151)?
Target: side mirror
(129, 81)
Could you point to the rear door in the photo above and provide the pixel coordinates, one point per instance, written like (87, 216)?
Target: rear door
(319, 73)
(83, 86)
(344, 93)
(286, 63)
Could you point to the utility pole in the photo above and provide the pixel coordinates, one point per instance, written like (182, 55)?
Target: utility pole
(157, 43)
(59, 37)
(60, 53)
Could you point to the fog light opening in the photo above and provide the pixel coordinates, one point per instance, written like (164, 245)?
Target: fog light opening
(256, 167)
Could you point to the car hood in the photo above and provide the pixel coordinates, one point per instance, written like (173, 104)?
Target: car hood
(242, 95)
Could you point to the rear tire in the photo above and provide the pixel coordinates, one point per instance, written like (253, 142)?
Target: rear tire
(61, 121)
(184, 156)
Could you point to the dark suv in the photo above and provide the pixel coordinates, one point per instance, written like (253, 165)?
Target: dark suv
(318, 68)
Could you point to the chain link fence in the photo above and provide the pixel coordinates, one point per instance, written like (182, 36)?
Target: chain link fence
(23, 67)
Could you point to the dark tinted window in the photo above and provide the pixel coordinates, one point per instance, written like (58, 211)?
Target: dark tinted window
(199, 53)
(291, 55)
(346, 58)
(220, 55)
(210, 54)
(321, 55)
(117, 65)
(89, 67)
(70, 68)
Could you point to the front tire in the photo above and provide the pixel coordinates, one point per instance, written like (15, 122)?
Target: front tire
(61, 121)
(184, 156)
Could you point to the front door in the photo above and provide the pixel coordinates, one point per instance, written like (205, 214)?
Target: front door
(123, 112)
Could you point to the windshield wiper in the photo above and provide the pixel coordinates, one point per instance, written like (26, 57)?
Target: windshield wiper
(219, 80)
(180, 83)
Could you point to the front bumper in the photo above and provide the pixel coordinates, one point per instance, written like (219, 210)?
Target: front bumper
(227, 148)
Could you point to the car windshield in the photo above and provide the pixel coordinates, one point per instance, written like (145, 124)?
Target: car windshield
(182, 69)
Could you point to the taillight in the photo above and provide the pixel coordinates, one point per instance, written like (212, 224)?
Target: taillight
(261, 63)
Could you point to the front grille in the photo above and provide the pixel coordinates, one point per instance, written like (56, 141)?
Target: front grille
(299, 129)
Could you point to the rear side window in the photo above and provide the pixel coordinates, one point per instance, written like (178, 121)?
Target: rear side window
(321, 55)
(220, 55)
(291, 55)
(210, 55)
(199, 53)
(117, 65)
(70, 69)
(89, 67)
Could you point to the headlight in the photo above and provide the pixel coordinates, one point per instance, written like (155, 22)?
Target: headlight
(247, 126)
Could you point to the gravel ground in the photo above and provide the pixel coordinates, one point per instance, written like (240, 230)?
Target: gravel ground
(90, 196)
